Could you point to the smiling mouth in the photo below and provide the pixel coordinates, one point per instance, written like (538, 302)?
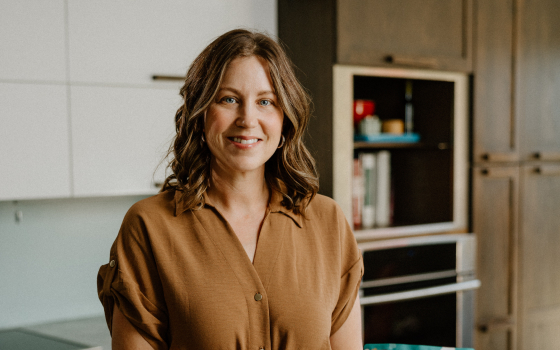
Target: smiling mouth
(243, 141)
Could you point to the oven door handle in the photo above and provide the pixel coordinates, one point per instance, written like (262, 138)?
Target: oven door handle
(420, 293)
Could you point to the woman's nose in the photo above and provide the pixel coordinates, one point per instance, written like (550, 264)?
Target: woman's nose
(247, 117)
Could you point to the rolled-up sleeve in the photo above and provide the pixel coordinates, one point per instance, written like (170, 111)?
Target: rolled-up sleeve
(352, 270)
(130, 281)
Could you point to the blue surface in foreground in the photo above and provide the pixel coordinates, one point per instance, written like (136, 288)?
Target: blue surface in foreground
(407, 347)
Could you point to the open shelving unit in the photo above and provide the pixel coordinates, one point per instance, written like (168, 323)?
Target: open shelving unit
(430, 177)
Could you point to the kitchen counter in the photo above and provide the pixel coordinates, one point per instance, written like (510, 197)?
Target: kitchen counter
(80, 334)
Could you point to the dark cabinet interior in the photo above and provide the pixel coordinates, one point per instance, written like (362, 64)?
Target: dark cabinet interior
(422, 172)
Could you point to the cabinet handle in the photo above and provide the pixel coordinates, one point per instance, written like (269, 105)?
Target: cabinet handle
(411, 61)
(168, 77)
(553, 156)
(496, 324)
(420, 293)
(498, 157)
(484, 172)
(547, 170)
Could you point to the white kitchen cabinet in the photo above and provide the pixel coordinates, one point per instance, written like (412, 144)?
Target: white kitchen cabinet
(119, 136)
(80, 114)
(128, 41)
(34, 149)
(32, 40)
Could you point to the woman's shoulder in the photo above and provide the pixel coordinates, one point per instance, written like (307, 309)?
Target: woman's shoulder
(323, 202)
(156, 206)
(323, 207)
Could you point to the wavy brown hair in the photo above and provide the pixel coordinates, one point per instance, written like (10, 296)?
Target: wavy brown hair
(290, 171)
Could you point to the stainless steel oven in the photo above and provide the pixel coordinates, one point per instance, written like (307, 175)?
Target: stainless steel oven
(419, 290)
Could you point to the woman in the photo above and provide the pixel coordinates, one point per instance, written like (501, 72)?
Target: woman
(237, 251)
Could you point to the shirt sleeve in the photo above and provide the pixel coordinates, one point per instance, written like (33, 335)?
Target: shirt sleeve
(352, 270)
(131, 283)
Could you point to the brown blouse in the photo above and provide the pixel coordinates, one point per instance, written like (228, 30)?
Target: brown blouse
(184, 281)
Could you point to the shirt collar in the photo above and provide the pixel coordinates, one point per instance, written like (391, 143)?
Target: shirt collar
(275, 206)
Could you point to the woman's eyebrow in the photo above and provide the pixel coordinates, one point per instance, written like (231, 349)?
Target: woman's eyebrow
(235, 91)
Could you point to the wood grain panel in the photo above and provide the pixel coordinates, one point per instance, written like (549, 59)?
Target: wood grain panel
(494, 126)
(430, 34)
(538, 75)
(541, 329)
(540, 237)
(495, 203)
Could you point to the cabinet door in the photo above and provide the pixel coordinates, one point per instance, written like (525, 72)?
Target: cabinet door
(495, 129)
(495, 203)
(129, 41)
(538, 83)
(119, 137)
(428, 34)
(32, 40)
(539, 256)
(34, 147)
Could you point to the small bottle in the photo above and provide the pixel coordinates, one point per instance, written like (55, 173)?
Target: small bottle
(408, 108)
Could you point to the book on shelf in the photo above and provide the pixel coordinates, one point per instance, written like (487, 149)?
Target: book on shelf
(357, 194)
(383, 218)
(371, 190)
(368, 161)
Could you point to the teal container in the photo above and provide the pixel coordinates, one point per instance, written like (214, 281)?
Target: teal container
(408, 347)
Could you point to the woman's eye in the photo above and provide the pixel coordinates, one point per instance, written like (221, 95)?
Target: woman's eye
(265, 103)
(229, 100)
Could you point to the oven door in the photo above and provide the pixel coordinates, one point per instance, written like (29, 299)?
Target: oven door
(419, 291)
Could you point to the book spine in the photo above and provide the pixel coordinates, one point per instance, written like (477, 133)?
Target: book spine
(357, 194)
(383, 218)
(368, 161)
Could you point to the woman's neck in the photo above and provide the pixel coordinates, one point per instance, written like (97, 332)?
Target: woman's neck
(234, 192)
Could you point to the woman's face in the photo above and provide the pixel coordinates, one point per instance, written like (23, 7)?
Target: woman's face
(243, 125)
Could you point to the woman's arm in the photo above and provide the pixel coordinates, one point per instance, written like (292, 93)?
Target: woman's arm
(349, 336)
(125, 336)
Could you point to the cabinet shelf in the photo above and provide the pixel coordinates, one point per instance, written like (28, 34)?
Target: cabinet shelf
(388, 138)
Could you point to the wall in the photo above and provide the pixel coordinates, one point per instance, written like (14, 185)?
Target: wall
(49, 259)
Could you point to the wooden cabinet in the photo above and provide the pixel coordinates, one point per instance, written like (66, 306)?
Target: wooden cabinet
(516, 79)
(539, 258)
(34, 144)
(495, 127)
(538, 79)
(495, 213)
(516, 126)
(424, 34)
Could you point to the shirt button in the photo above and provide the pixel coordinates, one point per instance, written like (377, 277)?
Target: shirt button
(112, 263)
(258, 297)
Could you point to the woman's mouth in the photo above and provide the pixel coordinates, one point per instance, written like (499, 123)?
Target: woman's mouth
(244, 141)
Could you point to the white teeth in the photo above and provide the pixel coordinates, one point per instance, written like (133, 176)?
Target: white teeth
(242, 141)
